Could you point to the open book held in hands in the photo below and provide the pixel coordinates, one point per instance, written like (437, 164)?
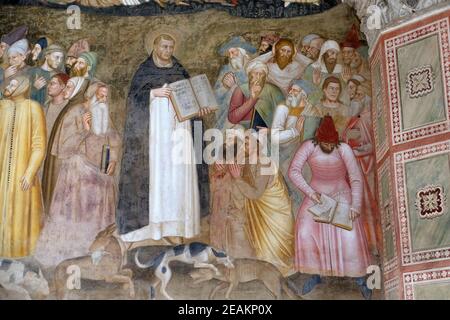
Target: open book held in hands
(331, 211)
(189, 95)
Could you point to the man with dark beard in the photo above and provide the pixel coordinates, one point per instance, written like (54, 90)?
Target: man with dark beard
(253, 104)
(323, 249)
(74, 53)
(267, 43)
(282, 66)
(326, 65)
(37, 53)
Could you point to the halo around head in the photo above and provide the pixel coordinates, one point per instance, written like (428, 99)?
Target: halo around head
(150, 37)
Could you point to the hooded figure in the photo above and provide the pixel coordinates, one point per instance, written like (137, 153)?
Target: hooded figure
(57, 138)
(158, 197)
(84, 197)
(321, 63)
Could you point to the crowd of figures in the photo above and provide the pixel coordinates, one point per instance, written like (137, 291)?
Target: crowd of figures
(59, 153)
(317, 97)
(55, 126)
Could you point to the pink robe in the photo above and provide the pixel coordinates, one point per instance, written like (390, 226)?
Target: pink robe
(364, 153)
(323, 248)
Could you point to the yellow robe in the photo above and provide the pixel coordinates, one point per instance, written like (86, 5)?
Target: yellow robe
(270, 225)
(23, 139)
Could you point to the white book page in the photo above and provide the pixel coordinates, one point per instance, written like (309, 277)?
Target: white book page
(323, 212)
(342, 216)
(203, 91)
(183, 99)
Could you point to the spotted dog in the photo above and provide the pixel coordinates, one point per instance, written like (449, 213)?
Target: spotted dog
(199, 254)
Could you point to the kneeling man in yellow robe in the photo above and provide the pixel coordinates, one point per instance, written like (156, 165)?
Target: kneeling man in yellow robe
(22, 151)
(269, 221)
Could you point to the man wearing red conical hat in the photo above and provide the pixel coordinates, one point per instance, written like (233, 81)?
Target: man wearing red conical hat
(323, 249)
(349, 45)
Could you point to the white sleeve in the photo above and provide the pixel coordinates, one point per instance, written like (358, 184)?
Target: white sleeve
(264, 58)
(285, 133)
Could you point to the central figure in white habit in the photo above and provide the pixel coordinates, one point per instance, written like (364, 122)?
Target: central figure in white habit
(162, 189)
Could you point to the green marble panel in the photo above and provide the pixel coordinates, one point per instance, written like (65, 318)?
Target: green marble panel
(432, 291)
(428, 233)
(430, 108)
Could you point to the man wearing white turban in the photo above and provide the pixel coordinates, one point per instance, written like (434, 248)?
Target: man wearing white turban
(252, 104)
(22, 151)
(326, 65)
(6, 41)
(233, 72)
(17, 54)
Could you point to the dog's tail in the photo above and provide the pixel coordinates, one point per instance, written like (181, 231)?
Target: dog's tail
(139, 264)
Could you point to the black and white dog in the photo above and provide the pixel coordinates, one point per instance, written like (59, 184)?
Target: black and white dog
(199, 254)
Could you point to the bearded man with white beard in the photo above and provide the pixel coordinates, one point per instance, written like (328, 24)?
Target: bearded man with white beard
(85, 193)
(288, 123)
(238, 53)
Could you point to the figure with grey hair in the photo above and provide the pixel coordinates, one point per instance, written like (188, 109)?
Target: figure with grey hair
(287, 126)
(5, 42)
(238, 52)
(306, 41)
(40, 76)
(22, 151)
(252, 104)
(16, 54)
(85, 193)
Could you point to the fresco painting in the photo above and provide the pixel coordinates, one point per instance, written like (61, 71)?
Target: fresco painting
(222, 150)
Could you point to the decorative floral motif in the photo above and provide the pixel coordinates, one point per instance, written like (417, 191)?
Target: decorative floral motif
(391, 45)
(409, 257)
(420, 81)
(430, 202)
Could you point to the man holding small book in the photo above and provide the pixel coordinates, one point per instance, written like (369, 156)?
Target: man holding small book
(328, 248)
(84, 198)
